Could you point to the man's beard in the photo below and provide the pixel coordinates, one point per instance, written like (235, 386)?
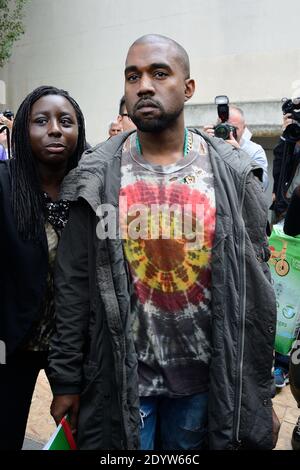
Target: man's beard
(158, 124)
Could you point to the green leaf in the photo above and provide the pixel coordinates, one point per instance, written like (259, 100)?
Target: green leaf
(11, 26)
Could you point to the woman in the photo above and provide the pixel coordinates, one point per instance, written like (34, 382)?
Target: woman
(48, 139)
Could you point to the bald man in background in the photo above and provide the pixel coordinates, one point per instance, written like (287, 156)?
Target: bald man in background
(114, 128)
(255, 151)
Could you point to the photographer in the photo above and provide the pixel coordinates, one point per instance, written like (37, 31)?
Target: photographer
(255, 151)
(285, 167)
(286, 204)
(292, 228)
(292, 219)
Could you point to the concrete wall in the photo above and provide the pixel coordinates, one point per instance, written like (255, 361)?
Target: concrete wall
(247, 49)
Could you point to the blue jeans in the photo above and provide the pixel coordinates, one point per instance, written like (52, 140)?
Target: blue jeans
(173, 423)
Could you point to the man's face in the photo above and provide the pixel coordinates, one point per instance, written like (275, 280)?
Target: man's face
(237, 120)
(115, 128)
(155, 86)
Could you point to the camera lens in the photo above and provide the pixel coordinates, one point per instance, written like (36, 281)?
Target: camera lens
(292, 132)
(8, 114)
(222, 131)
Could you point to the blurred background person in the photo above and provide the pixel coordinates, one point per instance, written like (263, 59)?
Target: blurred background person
(286, 211)
(123, 117)
(3, 154)
(114, 128)
(241, 140)
(286, 196)
(286, 169)
(292, 228)
(6, 123)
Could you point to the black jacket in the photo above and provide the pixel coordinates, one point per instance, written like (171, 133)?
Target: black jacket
(23, 272)
(286, 160)
(292, 218)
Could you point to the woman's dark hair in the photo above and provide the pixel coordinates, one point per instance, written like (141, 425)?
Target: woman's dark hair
(27, 201)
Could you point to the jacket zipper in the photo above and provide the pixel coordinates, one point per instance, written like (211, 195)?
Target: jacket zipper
(119, 372)
(242, 270)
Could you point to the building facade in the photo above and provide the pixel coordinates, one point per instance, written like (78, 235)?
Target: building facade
(246, 49)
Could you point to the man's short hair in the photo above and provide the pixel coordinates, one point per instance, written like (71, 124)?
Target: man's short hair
(236, 108)
(113, 123)
(181, 52)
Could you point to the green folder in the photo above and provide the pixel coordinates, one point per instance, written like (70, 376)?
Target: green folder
(285, 270)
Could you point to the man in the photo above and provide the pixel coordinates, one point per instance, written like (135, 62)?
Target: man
(203, 309)
(285, 170)
(124, 118)
(255, 151)
(114, 128)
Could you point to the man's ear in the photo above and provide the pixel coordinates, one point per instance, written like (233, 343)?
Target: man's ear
(189, 88)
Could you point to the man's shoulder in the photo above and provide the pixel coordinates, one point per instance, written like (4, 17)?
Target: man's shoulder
(99, 156)
(96, 165)
(251, 147)
(225, 155)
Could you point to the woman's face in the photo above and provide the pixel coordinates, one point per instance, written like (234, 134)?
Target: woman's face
(53, 130)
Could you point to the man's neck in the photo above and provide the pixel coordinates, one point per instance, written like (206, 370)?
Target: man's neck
(162, 148)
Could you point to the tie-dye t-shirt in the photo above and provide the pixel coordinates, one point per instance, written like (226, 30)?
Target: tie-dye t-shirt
(167, 218)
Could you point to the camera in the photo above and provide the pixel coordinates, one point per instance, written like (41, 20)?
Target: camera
(8, 114)
(223, 129)
(292, 131)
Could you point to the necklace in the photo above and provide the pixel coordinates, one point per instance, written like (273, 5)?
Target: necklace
(187, 145)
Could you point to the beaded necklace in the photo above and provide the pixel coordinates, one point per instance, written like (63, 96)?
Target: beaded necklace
(186, 145)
